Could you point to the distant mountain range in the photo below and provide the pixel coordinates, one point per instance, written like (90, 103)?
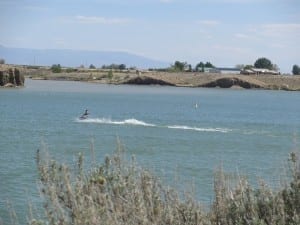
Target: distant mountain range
(75, 58)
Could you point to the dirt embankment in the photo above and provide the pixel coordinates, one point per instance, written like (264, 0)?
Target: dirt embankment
(279, 82)
(180, 79)
(272, 82)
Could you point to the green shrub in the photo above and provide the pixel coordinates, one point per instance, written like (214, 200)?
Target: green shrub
(110, 74)
(71, 70)
(56, 68)
(33, 67)
(92, 66)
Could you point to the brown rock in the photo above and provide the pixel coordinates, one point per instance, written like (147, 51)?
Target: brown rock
(18, 77)
(9, 85)
(144, 80)
(11, 77)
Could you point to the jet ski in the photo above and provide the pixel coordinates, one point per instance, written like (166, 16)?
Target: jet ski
(83, 117)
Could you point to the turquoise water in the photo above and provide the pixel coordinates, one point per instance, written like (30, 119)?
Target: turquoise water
(248, 132)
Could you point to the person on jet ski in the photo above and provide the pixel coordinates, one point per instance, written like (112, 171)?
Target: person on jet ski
(85, 113)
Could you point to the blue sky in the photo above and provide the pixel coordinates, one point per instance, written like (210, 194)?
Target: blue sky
(224, 32)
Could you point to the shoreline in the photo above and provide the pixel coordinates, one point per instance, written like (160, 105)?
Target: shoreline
(192, 80)
(177, 79)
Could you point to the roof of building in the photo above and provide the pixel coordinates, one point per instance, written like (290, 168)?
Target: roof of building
(228, 69)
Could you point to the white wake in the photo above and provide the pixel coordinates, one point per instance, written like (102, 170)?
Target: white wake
(222, 130)
(135, 122)
(116, 122)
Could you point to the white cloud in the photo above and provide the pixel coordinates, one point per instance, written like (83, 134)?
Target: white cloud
(231, 49)
(8, 3)
(278, 33)
(239, 1)
(241, 36)
(249, 35)
(59, 41)
(35, 8)
(166, 1)
(208, 22)
(101, 20)
(281, 29)
(277, 45)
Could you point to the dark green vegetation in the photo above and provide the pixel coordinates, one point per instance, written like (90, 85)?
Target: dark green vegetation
(56, 68)
(200, 66)
(92, 66)
(180, 66)
(114, 66)
(296, 70)
(120, 192)
(110, 74)
(263, 63)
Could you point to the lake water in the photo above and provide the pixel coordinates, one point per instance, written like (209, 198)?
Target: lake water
(249, 132)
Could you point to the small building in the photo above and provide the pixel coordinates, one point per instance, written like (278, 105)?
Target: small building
(221, 70)
(259, 71)
(225, 70)
(211, 70)
(247, 72)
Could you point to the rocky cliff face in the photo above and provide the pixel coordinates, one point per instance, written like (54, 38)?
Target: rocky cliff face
(144, 80)
(228, 82)
(11, 78)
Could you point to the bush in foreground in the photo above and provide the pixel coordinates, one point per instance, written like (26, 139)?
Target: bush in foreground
(120, 192)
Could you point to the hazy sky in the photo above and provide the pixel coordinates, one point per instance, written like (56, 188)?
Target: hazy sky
(224, 32)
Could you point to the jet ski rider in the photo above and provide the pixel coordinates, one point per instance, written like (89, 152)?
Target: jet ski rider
(85, 113)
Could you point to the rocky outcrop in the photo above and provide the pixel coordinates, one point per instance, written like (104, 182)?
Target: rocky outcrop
(145, 80)
(11, 78)
(228, 82)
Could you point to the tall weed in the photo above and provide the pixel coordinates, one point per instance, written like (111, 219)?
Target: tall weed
(118, 191)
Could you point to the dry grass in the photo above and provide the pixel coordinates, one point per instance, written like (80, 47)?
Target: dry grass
(120, 192)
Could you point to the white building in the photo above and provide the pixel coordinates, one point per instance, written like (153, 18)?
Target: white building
(259, 71)
(225, 70)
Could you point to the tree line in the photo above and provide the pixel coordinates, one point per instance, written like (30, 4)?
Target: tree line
(262, 63)
(178, 66)
(57, 68)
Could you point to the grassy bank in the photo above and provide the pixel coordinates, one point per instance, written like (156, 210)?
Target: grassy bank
(119, 191)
